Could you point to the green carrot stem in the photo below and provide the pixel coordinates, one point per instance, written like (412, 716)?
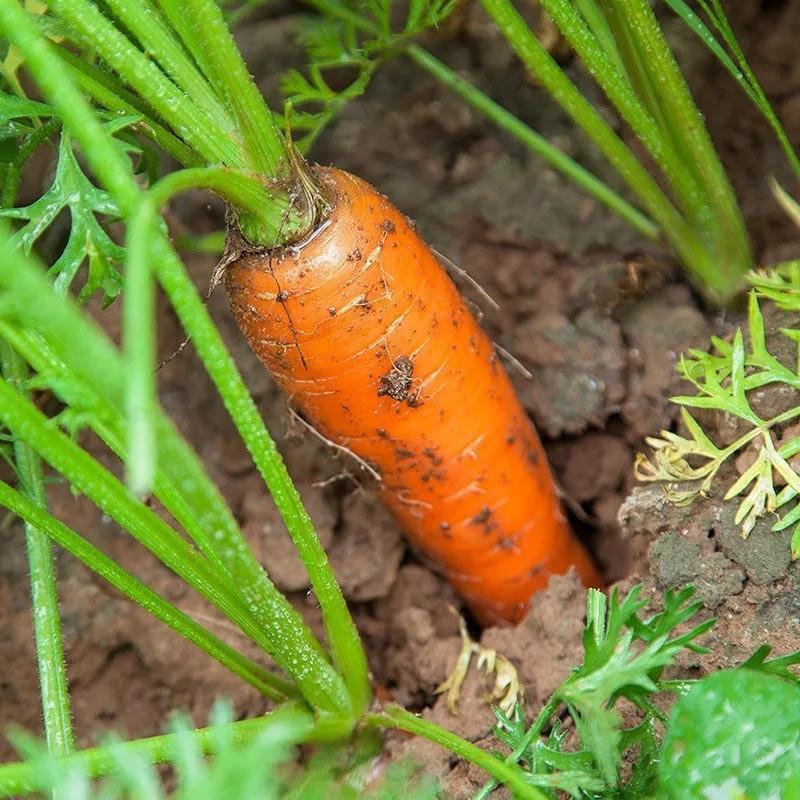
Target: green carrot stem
(53, 684)
(750, 84)
(190, 34)
(138, 319)
(196, 510)
(535, 730)
(104, 89)
(263, 141)
(139, 343)
(723, 228)
(620, 88)
(193, 124)
(143, 19)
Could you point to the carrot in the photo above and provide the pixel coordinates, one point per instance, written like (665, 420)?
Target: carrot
(374, 345)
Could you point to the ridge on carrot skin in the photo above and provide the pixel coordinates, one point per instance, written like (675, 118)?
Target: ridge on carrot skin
(374, 345)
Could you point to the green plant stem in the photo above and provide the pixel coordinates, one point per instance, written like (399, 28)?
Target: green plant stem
(684, 11)
(538, 144)
(144, 21)
(262, 139)
(269, 685)
(243, 189)
(192, 123)
(161, 540)
(618, 87)
(295, 722)
(539, 61)
(759, 97)
(191, 36)
(53, 681)
(23, 419)
(508, 774)
(139, 348)
(212, 243)
(198, 510)
(724, 230)
(344, 640)
(138, 318)
(109, 93)
(44, 589)
(598, 24)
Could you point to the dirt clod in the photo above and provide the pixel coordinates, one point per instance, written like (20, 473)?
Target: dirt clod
(577, 366)
(367, 549)
(396, 383)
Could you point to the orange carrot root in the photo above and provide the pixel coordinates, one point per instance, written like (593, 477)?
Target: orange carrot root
(374, 345)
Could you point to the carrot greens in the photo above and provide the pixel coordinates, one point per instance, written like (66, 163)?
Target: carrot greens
(121, 83)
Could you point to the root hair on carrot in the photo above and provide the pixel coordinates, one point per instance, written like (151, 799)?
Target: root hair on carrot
(296, 417)
(450, 265)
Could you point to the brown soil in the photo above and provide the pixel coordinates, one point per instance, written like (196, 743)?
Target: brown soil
(597, 320)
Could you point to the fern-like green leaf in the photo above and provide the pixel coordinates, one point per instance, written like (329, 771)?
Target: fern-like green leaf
(88, 242)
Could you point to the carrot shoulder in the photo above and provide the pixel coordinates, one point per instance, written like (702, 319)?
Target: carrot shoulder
(374, 345)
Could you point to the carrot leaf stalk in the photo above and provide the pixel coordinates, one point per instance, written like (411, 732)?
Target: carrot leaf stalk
(53, 681)
(703, 224)
(661, 87)
(726, 48)
(397, 717)
(53, 684)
